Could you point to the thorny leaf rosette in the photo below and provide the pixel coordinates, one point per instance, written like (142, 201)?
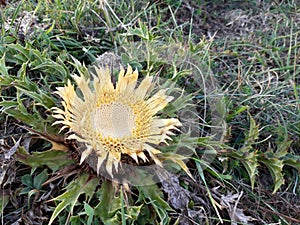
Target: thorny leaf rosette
(115, 121)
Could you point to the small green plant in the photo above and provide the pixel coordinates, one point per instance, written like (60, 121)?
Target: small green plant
(273, 159)
(112, 203)
(33, 185)
(236, 96)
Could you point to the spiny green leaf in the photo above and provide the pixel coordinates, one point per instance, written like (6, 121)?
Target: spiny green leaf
(49, 66)
(250, 162)
(275, 166)
(247, 154)
(21, 53)
(81, 68)
(282, 144)
(39, 96)
(112, 210)
(8, 104)
(252, 135)
(178, 104)
(151, 194)
(54, 159)
(3, 68)
(122, 207)
(142, 32)
(132, 213)
(28, 53)
(177, 159)
(108, 206)
(33, 119)
(82, 185)
(34, 59)
(292, 160)
(274, 160)
(74, 220)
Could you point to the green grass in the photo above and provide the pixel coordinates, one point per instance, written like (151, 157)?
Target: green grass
(241, 70)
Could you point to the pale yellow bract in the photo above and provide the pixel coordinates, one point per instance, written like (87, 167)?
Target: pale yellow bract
(115, 120)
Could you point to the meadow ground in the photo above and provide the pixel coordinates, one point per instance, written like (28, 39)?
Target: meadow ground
(238, 63)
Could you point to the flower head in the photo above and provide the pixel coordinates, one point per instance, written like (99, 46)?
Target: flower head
(114, 120)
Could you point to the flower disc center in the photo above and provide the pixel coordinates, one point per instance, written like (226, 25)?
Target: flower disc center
(114, 120)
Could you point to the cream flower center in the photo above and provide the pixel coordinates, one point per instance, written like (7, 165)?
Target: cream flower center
(115, 120)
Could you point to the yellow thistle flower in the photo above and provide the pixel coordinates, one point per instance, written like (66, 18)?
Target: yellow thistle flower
(115, 120)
